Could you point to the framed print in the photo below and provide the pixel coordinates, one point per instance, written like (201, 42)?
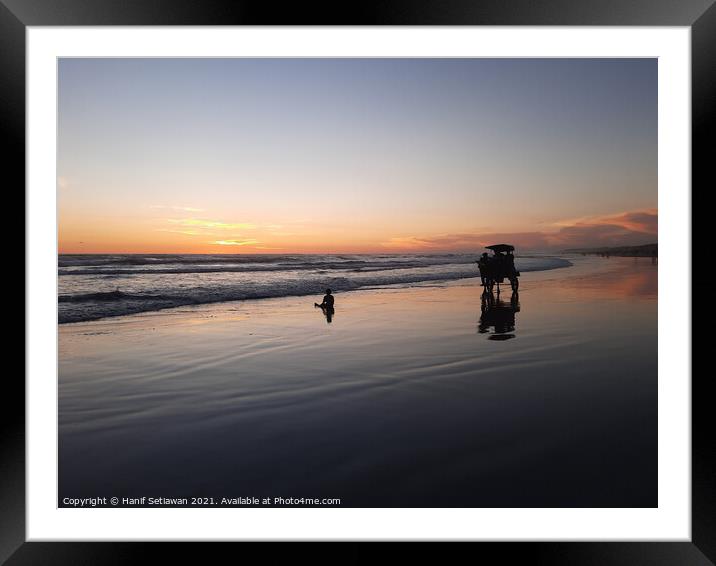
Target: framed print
(393, 278)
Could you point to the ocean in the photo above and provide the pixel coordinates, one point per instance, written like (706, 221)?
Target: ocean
(97, 286)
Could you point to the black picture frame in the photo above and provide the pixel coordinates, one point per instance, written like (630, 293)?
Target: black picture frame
(699, 15)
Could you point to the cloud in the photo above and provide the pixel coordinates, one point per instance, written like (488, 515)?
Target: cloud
(620, 229)
(185, 232)
(181, 208)
(213, 224)
(209, 227)
(468, 241)
(235, 242)
(644, 221)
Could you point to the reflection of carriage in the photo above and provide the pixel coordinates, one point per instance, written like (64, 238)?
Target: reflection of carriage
(498, 317)
(498, 267)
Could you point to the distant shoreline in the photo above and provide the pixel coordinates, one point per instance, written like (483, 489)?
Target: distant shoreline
(648, 250)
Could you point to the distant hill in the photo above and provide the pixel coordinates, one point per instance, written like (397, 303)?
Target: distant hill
(648, 250)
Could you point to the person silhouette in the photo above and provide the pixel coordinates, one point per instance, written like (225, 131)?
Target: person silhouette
(328, 300)
(482, 265)
(327, 305)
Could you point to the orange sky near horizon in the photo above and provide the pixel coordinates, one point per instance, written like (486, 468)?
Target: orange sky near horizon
(191, 232)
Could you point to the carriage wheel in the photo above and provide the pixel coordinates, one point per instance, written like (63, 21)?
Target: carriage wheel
(515, 283)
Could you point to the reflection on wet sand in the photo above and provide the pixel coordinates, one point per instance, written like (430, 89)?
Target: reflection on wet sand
(631, 277)
(328, 312)
(498, 316)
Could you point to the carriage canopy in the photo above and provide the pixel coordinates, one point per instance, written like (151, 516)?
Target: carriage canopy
(501, 248)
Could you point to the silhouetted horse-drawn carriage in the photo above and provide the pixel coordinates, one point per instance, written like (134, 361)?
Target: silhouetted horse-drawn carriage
(499, 266)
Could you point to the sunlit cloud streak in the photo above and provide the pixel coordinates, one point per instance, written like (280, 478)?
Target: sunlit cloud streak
(179, 208)
(621, 229)
(468, 241)
(208, 227)
(235, 242)
(185, 232)
(214, 224)
(644, 221)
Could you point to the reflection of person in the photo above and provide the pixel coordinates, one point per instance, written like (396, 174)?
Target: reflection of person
(327, 300)
(328, 312)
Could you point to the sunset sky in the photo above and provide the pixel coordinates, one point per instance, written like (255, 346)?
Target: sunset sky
(355, 155)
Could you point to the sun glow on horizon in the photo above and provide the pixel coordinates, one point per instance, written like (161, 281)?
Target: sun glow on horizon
(624, 228)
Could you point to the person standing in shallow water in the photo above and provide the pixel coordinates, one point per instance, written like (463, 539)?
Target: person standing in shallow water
(327, 301)
(327, 306)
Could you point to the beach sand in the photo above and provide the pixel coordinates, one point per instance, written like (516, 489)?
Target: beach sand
(400, 401)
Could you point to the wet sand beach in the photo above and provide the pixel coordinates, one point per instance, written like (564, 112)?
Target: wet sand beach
(420, 396)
